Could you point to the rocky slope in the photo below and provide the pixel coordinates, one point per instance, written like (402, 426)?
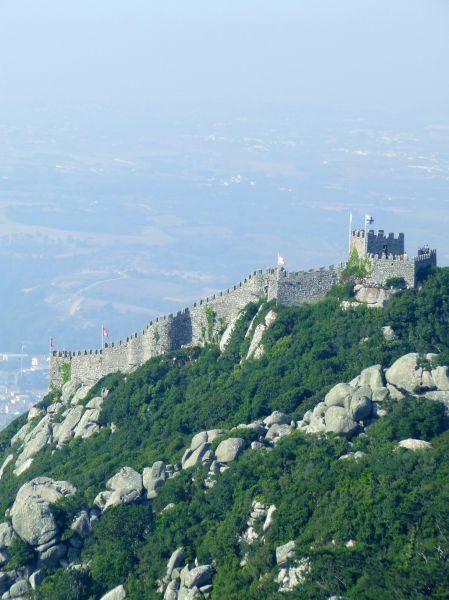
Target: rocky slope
(116, 491)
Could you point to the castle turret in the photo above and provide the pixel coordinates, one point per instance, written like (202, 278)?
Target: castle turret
(372, 243)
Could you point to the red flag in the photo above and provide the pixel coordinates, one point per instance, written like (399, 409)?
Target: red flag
(105, 332)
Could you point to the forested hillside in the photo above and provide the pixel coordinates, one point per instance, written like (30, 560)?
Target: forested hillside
(373, 525)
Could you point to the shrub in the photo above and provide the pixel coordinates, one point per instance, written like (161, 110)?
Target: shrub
(397, 283)
(66, 585)
(411, 418)
(20, 554)
(357, 267)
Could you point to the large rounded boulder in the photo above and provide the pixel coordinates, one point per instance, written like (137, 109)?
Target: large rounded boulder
(339, 394)
(32, 518)
(406, 375)
(337, 420)
(228, 450)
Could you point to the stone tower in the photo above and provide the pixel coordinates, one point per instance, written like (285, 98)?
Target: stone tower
(373, 243)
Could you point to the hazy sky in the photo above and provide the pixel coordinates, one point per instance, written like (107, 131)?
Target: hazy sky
(352, 53)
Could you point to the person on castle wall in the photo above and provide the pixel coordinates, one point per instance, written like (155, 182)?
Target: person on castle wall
(423, 250)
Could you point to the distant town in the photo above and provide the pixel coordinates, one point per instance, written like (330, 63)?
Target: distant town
(23, 382)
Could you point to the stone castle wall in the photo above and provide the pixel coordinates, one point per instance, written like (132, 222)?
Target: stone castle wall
(408, 268)
(207, 318)
(376, 243)
(306, 286)
(193, 325)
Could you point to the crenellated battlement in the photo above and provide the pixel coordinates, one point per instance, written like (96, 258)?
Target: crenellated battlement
(426, 256)
(207, 318)
(379, 235)
(384, 267)
(372, 242)
(190, 325)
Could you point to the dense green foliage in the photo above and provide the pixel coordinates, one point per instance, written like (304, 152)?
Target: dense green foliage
(20, 553)
(393, 503)
(398, 283)
(68, 585)
(357, 267)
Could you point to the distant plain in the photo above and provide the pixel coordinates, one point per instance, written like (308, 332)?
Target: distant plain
(116, 224)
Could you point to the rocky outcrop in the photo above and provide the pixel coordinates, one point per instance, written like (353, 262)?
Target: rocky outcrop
(81, 394)
(154, 478)
(88, 424)
(269, 518)
(285, 553)
(292, 572)
(372, 296)
(33, 520)
(388, 333)
(124, 487)
(347, 407)
(130, 486)
(259, 521)
(338, 419)
(200, 448)
(185, 583)
(68, 390)
(33, 442)
(227, 335)
(256, 348)
(57, 425)
(229, 449)
(118, 593)
(66, 430)
(192, 457)
(19, 589)
(344, 410)
(293, 576)
(411, 444)
(414, 374)
(352, 455)
(6, 462)
(257, 515)
(277, 418)
(276, 432)
(82, 524)
(6, 535)
(256, 340)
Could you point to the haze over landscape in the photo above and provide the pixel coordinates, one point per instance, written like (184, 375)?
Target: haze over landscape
(154, 154)
(284, 432)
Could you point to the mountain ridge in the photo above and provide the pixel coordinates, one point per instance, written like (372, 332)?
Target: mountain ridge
(150, 416)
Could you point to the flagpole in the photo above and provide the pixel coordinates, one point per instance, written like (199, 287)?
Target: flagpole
(102, 336)
(366, 242)
(350, 232)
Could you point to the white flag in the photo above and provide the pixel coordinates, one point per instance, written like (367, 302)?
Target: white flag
(281, 261)
(369, 220)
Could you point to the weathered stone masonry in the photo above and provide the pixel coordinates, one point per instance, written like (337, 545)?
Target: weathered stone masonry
(209, 317)
(394, 266)
(388, 257)
(371, 242)
(192, 325)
